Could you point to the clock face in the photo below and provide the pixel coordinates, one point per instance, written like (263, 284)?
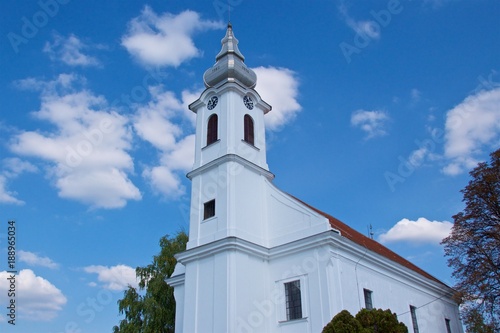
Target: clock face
(247, 100)
(212, 102)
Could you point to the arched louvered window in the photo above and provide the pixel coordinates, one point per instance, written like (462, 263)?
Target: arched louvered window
(212, 135)
(248, 135)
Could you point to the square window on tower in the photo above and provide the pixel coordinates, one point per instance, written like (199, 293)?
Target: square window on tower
(209, 209)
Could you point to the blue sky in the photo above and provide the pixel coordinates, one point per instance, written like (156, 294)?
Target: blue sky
(380, 108)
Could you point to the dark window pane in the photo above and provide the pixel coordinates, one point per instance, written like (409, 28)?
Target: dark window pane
(368, 299)
(448, 326)
(212, 135)
(248, 130)
(293, 300)
(413, 311)
(209, 209)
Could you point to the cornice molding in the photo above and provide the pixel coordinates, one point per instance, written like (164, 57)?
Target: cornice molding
(230, 86)
(230, 158)
(231, 243)
(332, 241)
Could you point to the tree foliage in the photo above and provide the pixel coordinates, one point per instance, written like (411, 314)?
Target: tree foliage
(152, 308)
(378, 320)
(366, 321)
(473, 247)
(343, 322)
(475, 322)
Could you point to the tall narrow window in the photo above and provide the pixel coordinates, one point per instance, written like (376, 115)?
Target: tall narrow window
(413, 311)
(212, 135)
(293, 300)
(448, 326)
(248, 130)
(209, 209)
(368, 299)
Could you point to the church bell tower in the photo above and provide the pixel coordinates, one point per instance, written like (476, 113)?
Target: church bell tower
(228, 232)
(230, 151)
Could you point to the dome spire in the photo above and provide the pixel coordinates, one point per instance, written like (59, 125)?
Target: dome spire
(229, 44)
(230, 64)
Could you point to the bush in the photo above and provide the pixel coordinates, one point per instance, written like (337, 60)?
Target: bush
(366, 321)
(343, 322)
(378, 320)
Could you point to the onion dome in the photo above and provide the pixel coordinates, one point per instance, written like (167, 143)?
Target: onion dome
(229, 65)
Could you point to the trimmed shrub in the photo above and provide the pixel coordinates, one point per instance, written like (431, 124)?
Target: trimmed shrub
(343, 322)
(380, 321)
(366, 321)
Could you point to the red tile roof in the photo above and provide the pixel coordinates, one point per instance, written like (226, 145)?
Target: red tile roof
(370, 244)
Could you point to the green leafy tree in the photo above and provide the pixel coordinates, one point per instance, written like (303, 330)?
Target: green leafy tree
(152, 308)
(380, 321)
(473, 247)
(343, 322)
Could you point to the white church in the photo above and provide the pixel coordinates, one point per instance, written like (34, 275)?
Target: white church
(259, 259)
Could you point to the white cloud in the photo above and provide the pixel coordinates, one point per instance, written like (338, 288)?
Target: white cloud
(189, 97)
(417, 157)
(159, 123)
(279, 88)
(181, 157)
(63, 82)
(34, 259)
(117, 277)
(472, 128)
(6, 196)
(152, 121)
(164, 181)
(37, 299)
(363, 28)
(12, 168)
(371, 122)
(165, 40)
(88, 149)
(70, 51)
(415, 95)
(420, 231)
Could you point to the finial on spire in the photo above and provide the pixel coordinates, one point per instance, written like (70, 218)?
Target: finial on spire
(230, 64)
(229, 44)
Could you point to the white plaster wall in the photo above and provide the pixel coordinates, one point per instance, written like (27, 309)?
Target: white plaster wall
(392, 291)
(333, 281)
(236, 291)
(288, 219)
(220, 290)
